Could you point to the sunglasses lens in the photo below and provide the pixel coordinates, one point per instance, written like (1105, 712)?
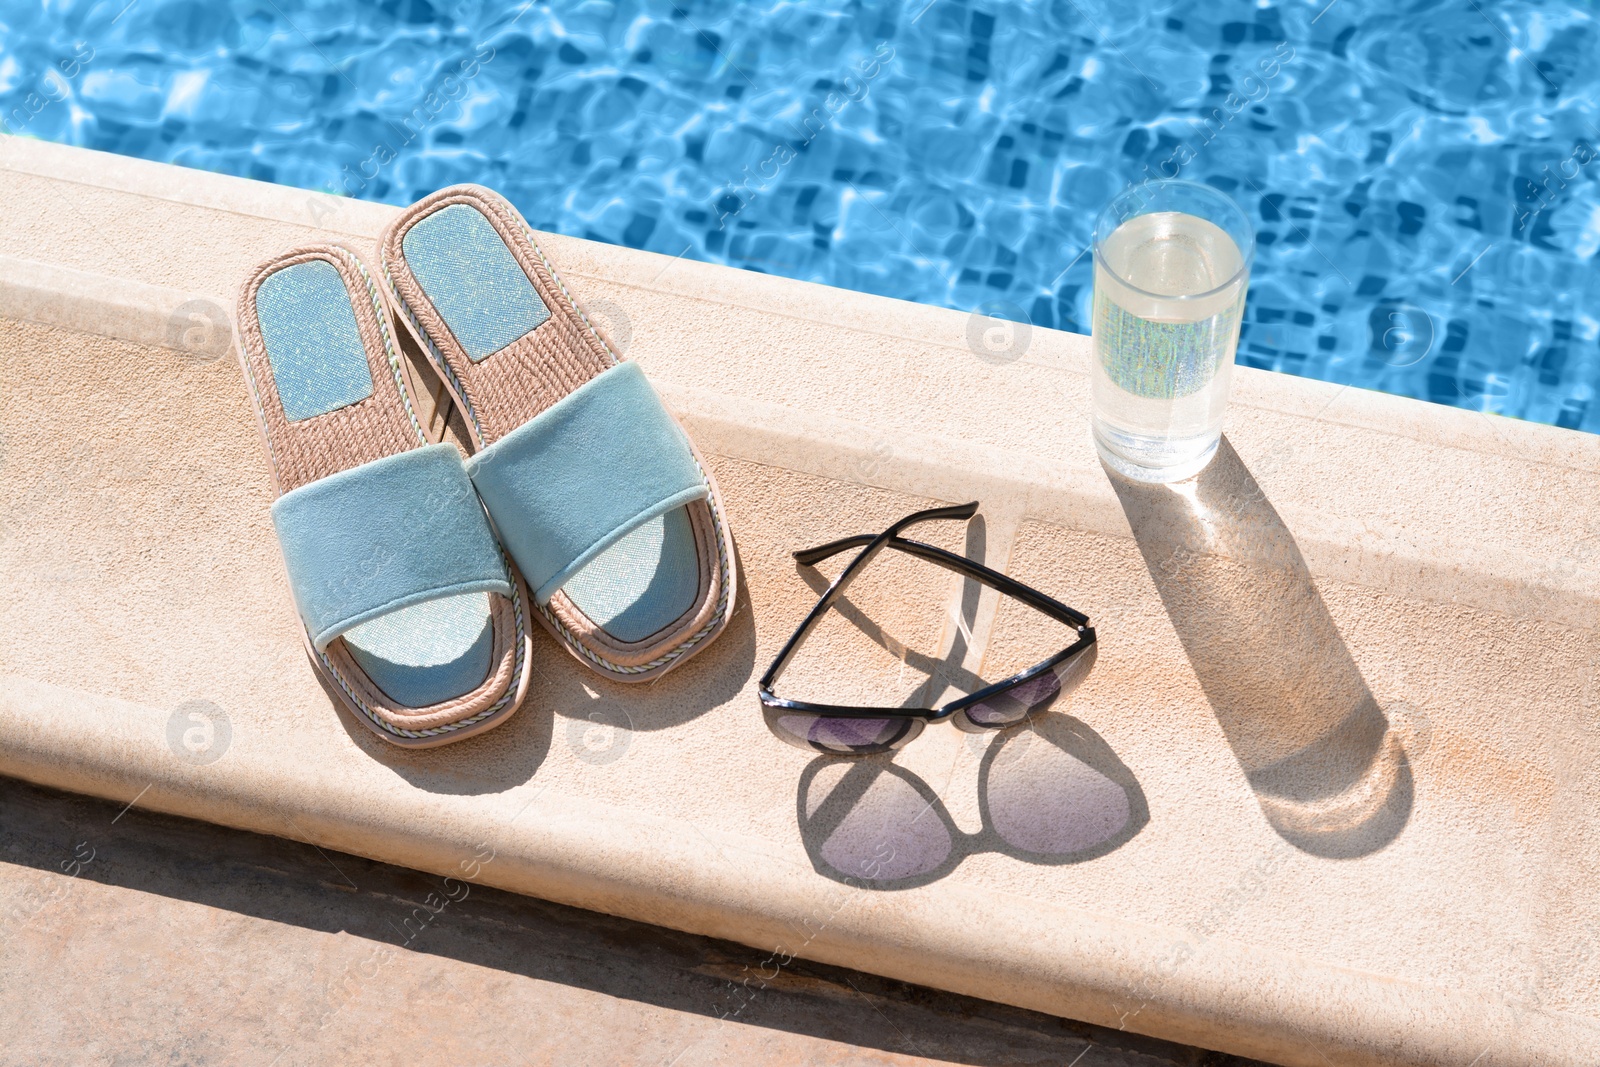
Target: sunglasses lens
(1030, 696)
(842, 736)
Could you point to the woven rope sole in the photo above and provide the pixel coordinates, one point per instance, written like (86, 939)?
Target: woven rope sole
(527, 376)
(383, 424)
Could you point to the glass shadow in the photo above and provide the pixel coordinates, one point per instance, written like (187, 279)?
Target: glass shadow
(1329, 774)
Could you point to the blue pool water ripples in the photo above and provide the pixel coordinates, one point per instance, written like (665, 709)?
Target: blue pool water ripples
(1422, 175)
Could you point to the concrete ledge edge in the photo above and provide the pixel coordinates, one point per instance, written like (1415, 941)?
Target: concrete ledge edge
(660, 870)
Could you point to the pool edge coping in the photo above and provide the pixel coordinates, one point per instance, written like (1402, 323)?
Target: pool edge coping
(109, 742)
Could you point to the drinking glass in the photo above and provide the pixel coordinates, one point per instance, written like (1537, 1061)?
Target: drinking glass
(1171, 265)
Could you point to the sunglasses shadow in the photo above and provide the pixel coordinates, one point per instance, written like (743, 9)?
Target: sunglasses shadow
(1051, 792)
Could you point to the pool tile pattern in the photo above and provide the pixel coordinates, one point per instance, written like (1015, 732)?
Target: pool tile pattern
(1422, 177)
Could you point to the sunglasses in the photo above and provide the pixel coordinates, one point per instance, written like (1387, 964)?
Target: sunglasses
(860, 731)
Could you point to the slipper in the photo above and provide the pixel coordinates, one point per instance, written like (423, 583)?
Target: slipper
(408, 603)
(597, 493)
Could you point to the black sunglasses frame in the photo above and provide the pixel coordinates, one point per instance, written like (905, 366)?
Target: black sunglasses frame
(871, 545)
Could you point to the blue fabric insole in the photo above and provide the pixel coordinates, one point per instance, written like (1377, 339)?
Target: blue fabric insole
(642, 583)
(421, 655)
(309, 329)
(472, 278)
(648, 579)
(428, 653)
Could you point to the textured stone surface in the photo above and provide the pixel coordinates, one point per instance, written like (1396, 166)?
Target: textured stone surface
(1327, 797)
(137, 938)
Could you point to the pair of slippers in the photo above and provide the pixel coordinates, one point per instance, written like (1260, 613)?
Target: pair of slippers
(584, 504)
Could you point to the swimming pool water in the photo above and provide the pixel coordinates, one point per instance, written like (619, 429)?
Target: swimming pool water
(1422, 175)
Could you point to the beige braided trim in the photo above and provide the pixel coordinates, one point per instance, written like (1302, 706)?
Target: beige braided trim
(429, 736)
(527, 376)
(511, 386)
(383, 424)
(503, 657)
(634, 653)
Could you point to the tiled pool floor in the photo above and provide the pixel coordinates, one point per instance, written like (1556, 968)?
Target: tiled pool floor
(1421, 175)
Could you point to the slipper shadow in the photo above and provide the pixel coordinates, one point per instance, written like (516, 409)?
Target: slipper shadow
(492, 762)
(512, 753)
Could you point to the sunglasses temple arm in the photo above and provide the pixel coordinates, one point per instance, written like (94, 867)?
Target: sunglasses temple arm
(1004, 583)
(961, 565)
(810, 557)
(836, 590)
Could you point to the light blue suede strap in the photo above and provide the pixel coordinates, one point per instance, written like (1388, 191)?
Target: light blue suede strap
(383, 536)
(579, 476)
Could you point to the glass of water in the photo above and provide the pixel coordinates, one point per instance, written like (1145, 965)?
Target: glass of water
(1171, 265)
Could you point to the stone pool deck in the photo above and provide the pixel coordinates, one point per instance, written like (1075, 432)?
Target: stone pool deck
(1345, 704)
(181, 942)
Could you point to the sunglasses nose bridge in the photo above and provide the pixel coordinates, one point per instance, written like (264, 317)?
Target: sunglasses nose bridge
(817, 727)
